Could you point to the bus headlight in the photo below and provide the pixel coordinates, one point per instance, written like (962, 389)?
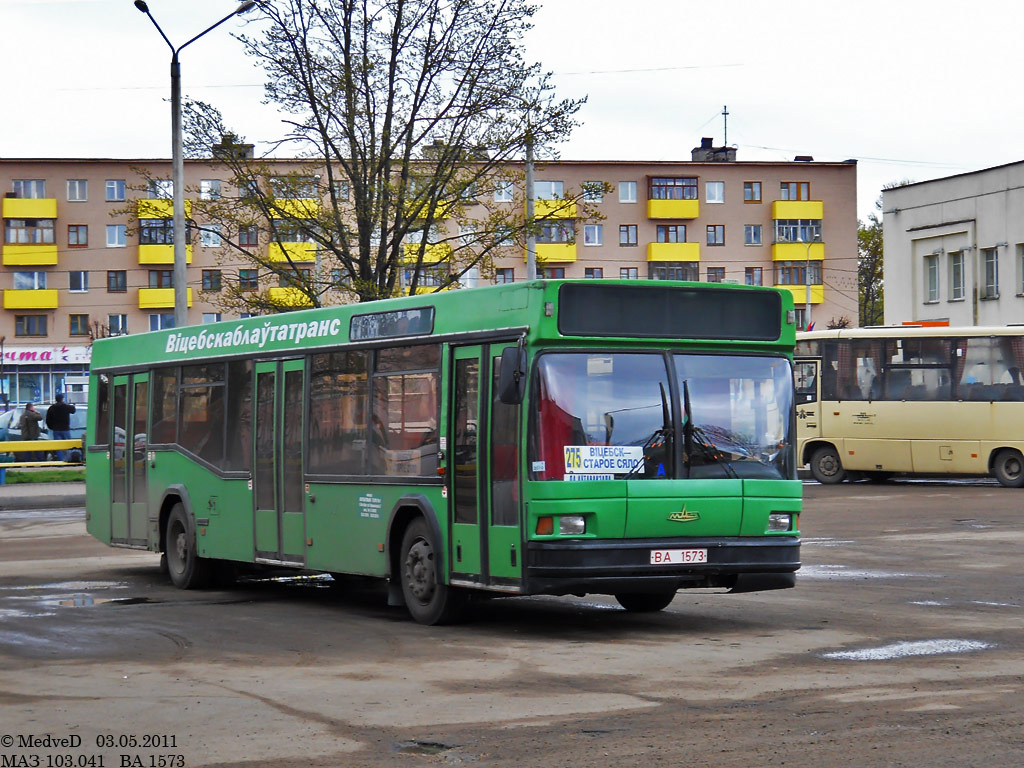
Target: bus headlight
(780, 521)
(572, 525)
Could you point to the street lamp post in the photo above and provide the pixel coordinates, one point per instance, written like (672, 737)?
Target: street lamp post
(178, 162)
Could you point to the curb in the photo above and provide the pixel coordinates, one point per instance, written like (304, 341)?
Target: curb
(25, 496)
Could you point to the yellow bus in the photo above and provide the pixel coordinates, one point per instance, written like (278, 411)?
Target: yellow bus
(874, 402)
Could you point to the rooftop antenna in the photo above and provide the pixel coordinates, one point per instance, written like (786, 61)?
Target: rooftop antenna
(725, 119)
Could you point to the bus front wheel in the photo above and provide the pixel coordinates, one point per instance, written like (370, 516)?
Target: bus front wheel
(645, 602)
(1009, 468)
(186, 569)
(826, 467)
(428, 600)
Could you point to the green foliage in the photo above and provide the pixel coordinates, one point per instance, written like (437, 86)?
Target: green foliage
(870, 279)
(69, 475)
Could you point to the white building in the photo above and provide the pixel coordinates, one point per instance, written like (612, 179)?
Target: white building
(954, 249)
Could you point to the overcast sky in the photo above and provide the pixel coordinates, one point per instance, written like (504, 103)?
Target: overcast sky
(911, 89)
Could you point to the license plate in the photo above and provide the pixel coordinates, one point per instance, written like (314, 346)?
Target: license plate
(678, 556)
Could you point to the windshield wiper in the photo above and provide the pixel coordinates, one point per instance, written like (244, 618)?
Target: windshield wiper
(708, 449)
(663, 432)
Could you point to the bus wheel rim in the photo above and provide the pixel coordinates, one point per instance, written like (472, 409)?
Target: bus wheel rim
(419, 571)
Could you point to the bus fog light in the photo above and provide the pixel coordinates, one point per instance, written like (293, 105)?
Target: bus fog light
(780, 521)
(572, 525)
(545, 526)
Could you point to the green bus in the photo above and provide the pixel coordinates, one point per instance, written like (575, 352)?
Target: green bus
(552, 437)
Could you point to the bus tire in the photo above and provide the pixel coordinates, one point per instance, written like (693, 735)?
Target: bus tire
(826, 466)
(429, 601)
(1009, 468)
(645, 602)
(186, 569)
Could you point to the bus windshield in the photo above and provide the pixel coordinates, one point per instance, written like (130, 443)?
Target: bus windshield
(603, 416)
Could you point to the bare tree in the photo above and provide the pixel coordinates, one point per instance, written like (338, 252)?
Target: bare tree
(405, 116)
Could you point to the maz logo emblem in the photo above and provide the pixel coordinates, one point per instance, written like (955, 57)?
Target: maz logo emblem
(683, 516)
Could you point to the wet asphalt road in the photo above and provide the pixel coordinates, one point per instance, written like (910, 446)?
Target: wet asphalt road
(902, 645)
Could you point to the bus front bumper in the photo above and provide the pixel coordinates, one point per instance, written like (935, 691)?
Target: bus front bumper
(582, 566)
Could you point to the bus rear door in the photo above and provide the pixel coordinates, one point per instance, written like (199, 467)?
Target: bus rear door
(130, 506)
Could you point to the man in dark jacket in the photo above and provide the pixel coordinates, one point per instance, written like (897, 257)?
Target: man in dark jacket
(30, 429)
(58, 419)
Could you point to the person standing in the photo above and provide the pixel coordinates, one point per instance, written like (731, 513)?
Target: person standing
(30, 428)
(58, 420)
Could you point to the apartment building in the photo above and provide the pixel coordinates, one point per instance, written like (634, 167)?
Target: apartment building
(954, 249)
(88, 243)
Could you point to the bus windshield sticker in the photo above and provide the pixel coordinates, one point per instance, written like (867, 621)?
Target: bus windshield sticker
(384, 325)
(580, 478)
(601, 459)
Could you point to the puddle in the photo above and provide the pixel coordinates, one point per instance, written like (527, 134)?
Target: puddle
(70, 586)
(422, 747)
(88, 601)
(908, 649)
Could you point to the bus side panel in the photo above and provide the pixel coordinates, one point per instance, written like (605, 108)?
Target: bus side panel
(97, 500)
(763, 497)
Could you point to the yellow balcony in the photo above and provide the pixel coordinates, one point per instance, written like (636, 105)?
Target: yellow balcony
(159, 208)
(797, 252)
(294, 251)
(420, 289)
(673, 209)
(673, 252)
(299, 208)
(560, 253)
(434, 254)
(37, 298)
(161, 254)
(159, 298)
(290, 297)
(800, 293)
(798, 209)
(27, 208)
(554, 209)
(30, 255)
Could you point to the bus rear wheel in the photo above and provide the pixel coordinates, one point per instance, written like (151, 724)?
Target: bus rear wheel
(428, 600)
(1009, 468)
(186, 569)
(645, 602)
(826, 467)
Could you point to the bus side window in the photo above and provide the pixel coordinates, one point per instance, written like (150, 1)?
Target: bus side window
(805, 377)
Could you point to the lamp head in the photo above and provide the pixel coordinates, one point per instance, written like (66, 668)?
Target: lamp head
(243, 7)
(141, 5)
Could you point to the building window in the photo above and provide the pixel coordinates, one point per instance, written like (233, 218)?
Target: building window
(795, 272)
(116, 236)
(627, 235)
(751, 191)
(78, 325)
(593, 273)
(547, 190)
(716, 234)
(629, 273)
(78, 235)
(931, 278)
(593, 234)
(211, 279)
(504, 275)
(673, 188)
(504, 191)
(78, 281)
(294, 187)
(798, 230)
(553, 273)
(714, 191)
(29, 231)
(211, 317)
(990, 273)
(117, 325)
(244, 315)
(161, 189)
(248, 237)
(161, 321)
(593, 191)
(752, 234)
(248, 280)
(115, 190)
(117, 281)
(30, 325)
(556, 232)
(341, 190)
(671, 233)
(956, 275)
(627, 191)
(156, 231)
(674, 270)
(716, 274)
(78, 190)
(753, 276)
(209, 189)
(161, 278)
(31, 189)
(29, 281)
(209, 236)
(795, 190)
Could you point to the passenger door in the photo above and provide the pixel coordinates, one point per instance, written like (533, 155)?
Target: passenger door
(128, 459)
(278, 492)
(807, 380)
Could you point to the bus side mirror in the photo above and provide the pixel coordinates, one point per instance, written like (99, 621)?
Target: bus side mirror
(512, 375)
